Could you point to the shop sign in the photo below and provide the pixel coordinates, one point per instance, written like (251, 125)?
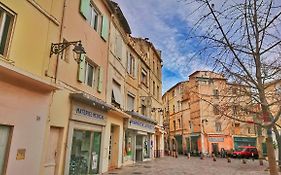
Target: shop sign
(244, 139)
(88, 115)
(141, 125)
(216, 139)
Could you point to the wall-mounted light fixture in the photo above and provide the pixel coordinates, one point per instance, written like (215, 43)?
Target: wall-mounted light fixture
(57, 48)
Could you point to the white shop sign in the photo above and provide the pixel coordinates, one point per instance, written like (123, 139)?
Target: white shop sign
(86, 114)
(140, 125)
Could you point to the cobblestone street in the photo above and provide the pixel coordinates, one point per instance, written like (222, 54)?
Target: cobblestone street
(193, 166)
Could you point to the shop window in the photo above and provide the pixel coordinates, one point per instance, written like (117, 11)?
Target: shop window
(85, 152)
(116, 94)
(130, 102)
(5, 133)
(6, 23)
(146, 147)
(128, 145)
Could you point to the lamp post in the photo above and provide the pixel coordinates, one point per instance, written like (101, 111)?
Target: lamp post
(57, 48)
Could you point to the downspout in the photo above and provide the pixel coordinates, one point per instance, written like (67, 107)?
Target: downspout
(60, 39)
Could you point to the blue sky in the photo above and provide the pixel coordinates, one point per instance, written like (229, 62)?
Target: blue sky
(165, 23)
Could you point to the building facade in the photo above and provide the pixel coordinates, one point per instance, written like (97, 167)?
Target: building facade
(26, 91)
(193, 116)
(74, 88)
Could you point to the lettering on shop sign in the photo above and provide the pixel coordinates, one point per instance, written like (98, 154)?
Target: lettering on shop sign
(88, 113)
(216, 139)
(142, 124)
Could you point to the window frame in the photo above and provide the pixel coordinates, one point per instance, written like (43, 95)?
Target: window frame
(97, 20)
(9, 32)
(94, 73)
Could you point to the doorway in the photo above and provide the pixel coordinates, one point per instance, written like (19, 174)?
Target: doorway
(215, 148)
(113, 147)
(139, 148)
(52, 154)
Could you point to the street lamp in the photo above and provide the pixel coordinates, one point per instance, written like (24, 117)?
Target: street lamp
(57, 48)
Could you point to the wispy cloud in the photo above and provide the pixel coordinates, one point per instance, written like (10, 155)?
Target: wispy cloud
(164, 22)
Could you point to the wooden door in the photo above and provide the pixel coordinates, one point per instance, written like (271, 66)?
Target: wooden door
(52, 154)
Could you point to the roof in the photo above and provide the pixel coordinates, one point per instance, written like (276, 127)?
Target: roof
(175, 86)
(123, 21)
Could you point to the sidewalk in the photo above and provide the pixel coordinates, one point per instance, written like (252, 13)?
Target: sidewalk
(193, 166)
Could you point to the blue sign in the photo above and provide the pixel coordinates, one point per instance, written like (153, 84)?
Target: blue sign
(142, 124)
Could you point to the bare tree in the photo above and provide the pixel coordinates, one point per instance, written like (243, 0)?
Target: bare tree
(242, 38)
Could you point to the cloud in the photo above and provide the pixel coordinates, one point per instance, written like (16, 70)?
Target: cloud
(164, 22)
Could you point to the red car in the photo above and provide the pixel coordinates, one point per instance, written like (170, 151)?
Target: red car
(246, 152)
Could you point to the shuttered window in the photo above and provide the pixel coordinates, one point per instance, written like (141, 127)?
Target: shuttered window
(116, 94)
(104, 28)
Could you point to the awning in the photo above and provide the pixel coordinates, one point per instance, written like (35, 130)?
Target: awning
(119, 113)
(91, 100)
(140, 116)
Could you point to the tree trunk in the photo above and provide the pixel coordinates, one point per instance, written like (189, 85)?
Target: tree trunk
(259, 144)
(278, 138)
(270, 153)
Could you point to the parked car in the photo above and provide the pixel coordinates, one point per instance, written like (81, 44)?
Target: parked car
(246, 152)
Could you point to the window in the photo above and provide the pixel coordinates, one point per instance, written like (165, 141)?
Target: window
(90, 74)
(118, 46)
(174, 109)
(144, 77)
(130, 102)
(153, 88)
(174, 122)
(218, 126)
(179, 121)
(6, 23)
(158, 92)
(116, 94)
(143, 107)
(235, 110)
(179, 105)
(249, 130)
(85, 152)
(5, 133)
(153, 66)
(131, 65)
(216, 109)
(173, 93)
(94, 17)
(216, 93)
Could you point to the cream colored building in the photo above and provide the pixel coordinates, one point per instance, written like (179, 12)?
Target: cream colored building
(27, 29)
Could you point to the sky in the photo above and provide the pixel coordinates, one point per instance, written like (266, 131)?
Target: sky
(165, 23)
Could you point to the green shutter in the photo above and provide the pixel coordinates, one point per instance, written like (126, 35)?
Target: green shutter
(105, 28)
(81, 71)
(100, 79)
(85, 8)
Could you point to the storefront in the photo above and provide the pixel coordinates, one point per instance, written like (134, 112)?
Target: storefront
(138, 140)
(86, 135)
(244, 141)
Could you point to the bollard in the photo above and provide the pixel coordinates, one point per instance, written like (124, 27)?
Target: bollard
(188, 155)
(228, 160)
(243, 161)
